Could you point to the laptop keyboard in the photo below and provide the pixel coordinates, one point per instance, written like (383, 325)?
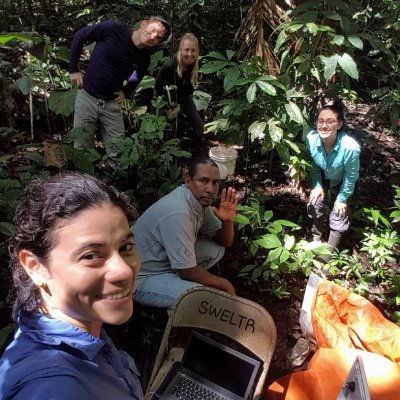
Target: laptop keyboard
(187, 389)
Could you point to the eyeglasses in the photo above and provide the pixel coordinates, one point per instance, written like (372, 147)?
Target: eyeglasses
(329, 122)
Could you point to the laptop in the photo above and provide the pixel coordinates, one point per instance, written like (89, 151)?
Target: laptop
(209, 370)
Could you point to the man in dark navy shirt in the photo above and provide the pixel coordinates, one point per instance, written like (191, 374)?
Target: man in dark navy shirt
(121, 54)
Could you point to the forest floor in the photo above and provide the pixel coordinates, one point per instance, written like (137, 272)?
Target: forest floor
(380, 170)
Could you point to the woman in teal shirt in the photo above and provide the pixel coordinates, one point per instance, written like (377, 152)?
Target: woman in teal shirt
(335, 167)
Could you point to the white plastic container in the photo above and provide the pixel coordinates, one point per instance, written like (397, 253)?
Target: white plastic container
(225, 155)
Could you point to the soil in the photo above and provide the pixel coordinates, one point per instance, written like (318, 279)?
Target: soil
(380, 170)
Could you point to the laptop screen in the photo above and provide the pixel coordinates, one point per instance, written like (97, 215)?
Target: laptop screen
(228, 368)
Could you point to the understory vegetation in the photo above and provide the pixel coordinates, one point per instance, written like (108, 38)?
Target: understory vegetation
(262, 79)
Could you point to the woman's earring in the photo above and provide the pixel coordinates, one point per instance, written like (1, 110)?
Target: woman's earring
(39, 283)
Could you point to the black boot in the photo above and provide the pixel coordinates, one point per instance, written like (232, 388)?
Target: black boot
(333, 242)
(335, 238)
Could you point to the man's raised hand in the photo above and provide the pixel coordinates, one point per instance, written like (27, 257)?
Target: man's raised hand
(228, 205)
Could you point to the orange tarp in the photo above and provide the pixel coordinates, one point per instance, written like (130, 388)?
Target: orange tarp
(344, 321)
(327, 373)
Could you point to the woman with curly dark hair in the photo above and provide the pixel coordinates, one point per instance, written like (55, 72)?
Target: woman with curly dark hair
(74, 265)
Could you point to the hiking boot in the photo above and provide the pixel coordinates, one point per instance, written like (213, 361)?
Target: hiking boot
(333, 242)
(335, 238)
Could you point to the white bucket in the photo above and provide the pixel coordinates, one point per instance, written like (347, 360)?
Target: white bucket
(226, 156)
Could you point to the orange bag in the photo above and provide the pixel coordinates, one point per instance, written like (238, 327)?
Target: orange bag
(327, 372)
(342, 319)
(343, 322)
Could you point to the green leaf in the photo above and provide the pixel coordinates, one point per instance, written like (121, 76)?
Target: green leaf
(216, 125)
(395, 215)
(9, 184)
(315, 73)
(284, 59)
(285, 222)
(74, 134)
(268, 215)
(310, 16)
(269, 241)
(201, 100)
(295, 27)
(348, 65)
(83, 12)
(330, 64)
(213, 66)
(174, 172)
(149, 126)
(146, 83)
(338, 39)
(284, 256)
(289, 242)
(6, 228)
(156, 58)
(34, 37)
(230, 54)
(4, 158)
(324, 28)
(266, 87)
(334, 16)
(242, 207)
(251, 93)
(304, 67)
(294, 112)
(274, 254)
(312, 28)
(218, 56)
(275, 227)
(280, 41)
(384, 221)
(242, 219)
(356, 41)
(35, 157)
(257, 130)
(63, 54)
(256, 273)
(396, 314)
(248, 268)
(63, 102)
(24, 84)
(294, 146)
(83, 160)
(231, 78)
(11, 195)
(280, 293)
(275, 131)
(299, 59)
(346, 24)
(253, 248)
